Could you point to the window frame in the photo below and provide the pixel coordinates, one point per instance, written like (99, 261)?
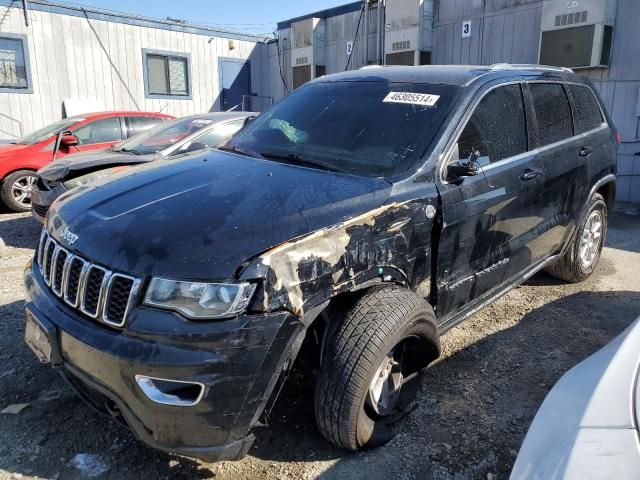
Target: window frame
(527, 122)
(567, 93)
(532, 123)
(468, 113)
(27, 63)
(145, 73)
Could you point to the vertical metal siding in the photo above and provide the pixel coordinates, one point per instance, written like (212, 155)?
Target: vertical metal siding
(509, 31)
(101, 61)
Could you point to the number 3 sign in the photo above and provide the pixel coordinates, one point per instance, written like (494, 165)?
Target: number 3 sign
(466, 29)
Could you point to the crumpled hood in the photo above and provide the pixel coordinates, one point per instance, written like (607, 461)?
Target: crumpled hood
(61, 169)
(11, 149)
(200, 218)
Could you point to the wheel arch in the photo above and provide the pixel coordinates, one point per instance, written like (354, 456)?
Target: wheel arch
(14, 170)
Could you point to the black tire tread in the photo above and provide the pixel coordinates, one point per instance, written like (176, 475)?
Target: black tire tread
(377, 316)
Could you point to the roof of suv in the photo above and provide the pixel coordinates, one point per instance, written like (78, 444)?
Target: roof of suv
(445, 74)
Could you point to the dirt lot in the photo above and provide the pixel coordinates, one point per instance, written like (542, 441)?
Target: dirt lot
(476, 403)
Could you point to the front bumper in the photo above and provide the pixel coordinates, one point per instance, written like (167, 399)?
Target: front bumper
(238, 361)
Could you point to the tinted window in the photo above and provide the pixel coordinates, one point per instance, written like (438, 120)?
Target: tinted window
(552, 112)
(368, 128)
(588, 111)
(13, 68)
(497, 129)
(163, 135)
(136, 125)
(100, 131)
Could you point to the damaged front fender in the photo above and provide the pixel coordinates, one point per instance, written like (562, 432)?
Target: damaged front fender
(391, 242)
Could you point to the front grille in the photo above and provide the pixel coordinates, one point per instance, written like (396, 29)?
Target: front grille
(40, 210)
(94, 290)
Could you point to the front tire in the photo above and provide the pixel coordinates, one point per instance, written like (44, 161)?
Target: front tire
(371, 366)
(15, 190)
(581, 258)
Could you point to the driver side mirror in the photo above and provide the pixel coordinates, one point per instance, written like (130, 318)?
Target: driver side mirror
(69, 140)
(457, 171)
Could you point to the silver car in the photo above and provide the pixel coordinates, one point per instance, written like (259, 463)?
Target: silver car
(587, 427)
(168, 140)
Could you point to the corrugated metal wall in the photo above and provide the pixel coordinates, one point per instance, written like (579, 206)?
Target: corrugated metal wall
(101, 61)
(501, 31)
(619, 87)
(509, 31)
(340, 29)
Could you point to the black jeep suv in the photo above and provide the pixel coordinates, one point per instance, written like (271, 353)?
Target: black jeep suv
(370, 210)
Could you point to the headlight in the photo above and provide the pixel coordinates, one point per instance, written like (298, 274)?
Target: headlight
(89, 177)
(200, 300)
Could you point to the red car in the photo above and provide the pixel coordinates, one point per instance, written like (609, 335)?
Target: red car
(20, 160)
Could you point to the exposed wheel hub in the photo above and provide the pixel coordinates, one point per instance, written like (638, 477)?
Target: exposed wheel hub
(384, 389)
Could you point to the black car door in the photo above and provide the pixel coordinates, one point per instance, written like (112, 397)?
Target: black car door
(565, 167)
(487, 221)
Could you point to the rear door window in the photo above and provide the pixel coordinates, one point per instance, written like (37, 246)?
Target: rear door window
(588, 113)
(138, 124)
(100, 131)
(552, 112)
(497, 128)
(220, 133)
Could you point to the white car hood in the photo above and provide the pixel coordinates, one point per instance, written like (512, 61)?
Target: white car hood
(586, 428)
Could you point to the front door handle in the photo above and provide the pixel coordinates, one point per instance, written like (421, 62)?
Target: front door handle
(585, 151)
(530, 174)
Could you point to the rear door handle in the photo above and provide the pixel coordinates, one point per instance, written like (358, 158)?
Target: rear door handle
(584, 151)
(530, 174)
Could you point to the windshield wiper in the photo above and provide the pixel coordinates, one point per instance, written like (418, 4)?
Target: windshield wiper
(240, 150)
(296, 159)
(127, 150)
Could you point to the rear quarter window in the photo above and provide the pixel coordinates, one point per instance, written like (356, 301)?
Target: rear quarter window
(588, 113)
(553, 112)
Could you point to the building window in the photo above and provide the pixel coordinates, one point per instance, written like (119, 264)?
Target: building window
(167, 74)
(15, 75)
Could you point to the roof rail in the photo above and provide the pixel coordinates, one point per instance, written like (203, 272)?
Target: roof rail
(528, 66)
(373, 65)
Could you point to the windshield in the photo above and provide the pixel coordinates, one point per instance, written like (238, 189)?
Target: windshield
(373, 129)
(48, 131)
(162, 136)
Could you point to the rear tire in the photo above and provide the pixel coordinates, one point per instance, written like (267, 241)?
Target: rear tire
(15, 190)
(581, 258)
(387, 335)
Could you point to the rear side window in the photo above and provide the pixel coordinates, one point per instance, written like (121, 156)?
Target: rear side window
(552, 112)
(136, 125)
(588, 111)
(497, 129)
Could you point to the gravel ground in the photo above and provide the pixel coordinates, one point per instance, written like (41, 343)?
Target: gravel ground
(476, 404)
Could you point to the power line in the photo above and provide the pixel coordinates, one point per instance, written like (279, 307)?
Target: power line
(277, 35)
(355, 38)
